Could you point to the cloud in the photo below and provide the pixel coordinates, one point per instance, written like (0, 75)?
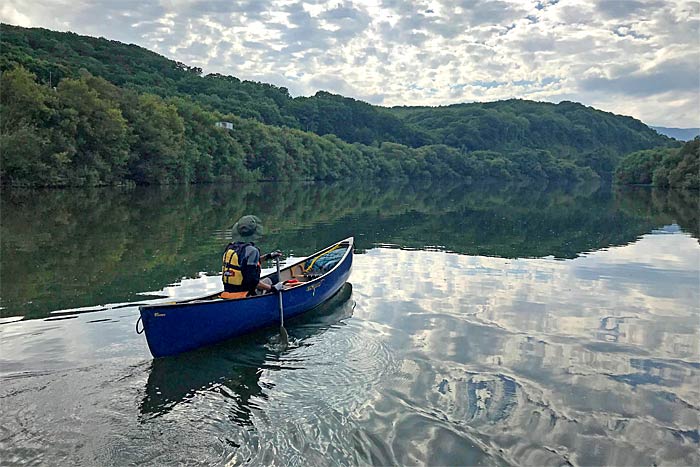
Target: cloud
(628, 8)
(348, 20)
(635, 57)
(493, 12)
(332, 83)
(676, 75)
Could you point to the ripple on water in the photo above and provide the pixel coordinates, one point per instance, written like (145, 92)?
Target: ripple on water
(490, 416)
(313, 393)
(342, 365)
(511, 417)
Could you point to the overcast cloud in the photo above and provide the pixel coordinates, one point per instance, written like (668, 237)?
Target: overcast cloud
(631, 57)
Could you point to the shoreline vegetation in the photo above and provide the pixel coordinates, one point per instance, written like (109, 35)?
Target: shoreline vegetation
(675, 168)
(82, 111)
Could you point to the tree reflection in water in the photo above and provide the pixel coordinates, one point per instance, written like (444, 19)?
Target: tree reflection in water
(87, 247)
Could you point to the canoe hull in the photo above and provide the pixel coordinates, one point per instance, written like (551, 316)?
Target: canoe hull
(179, 327)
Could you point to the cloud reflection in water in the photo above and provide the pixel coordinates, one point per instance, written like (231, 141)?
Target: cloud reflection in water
(592, 361)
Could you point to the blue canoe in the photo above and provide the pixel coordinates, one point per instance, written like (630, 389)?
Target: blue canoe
(177, 327)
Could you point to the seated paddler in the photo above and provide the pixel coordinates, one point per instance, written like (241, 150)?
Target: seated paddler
(241, 262)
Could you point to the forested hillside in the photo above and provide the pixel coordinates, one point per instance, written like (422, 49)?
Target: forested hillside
(567, 127)
(82, 110)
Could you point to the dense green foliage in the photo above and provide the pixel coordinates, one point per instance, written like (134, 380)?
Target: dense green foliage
(567, 127)
(674, 168)
(87, 131)
(90, 132)
(81, 110)
(354, 121)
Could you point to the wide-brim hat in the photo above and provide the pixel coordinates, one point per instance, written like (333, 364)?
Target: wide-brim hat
(249, 228)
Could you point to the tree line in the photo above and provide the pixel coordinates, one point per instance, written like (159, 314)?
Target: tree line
(87, 131)
(103, 112)
(677, 168)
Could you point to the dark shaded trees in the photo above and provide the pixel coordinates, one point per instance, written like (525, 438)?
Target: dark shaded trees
(671, 168)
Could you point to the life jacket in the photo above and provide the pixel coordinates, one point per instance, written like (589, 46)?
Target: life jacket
(234, 256)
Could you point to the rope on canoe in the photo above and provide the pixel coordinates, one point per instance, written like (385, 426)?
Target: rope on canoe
(137, 326)
(319, 256)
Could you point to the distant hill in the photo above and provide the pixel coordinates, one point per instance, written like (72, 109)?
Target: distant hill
(504, 125)
(567, 127)
(148, 95)
(681, 134)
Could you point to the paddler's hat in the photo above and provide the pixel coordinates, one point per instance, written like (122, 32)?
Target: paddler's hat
(249, 228)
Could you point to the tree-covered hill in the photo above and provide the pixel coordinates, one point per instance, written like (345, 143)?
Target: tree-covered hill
(101, 112)
(567, 127)
(87, 131)
(503, 125)
(53, 56)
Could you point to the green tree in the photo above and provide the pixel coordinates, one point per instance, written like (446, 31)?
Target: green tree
(686, 174)
(638, 167)
(158, 143)
(25, 110)
(97, 131)
(672, 168)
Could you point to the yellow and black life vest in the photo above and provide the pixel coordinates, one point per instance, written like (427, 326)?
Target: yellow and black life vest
(234, 256)
(231, 270)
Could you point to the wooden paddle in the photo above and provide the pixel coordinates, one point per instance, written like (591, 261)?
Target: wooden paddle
(284, 338)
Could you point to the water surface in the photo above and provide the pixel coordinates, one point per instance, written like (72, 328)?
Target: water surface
(481, 325)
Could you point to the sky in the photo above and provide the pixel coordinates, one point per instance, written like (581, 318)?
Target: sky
(630, 57)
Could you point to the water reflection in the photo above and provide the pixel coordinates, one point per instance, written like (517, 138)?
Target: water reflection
(593, 361)
(232, 370)
(89, 247)
(669, 206)
(438, 358)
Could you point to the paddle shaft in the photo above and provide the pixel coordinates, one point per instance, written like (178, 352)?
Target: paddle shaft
(279, 294)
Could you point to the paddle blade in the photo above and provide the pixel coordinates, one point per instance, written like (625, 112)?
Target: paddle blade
(284, 338)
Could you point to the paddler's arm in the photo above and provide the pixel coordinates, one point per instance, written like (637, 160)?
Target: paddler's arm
(262, 285)
(250, 269)
(271, 255)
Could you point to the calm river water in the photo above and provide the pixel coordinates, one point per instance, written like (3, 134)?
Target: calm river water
(480, 326)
